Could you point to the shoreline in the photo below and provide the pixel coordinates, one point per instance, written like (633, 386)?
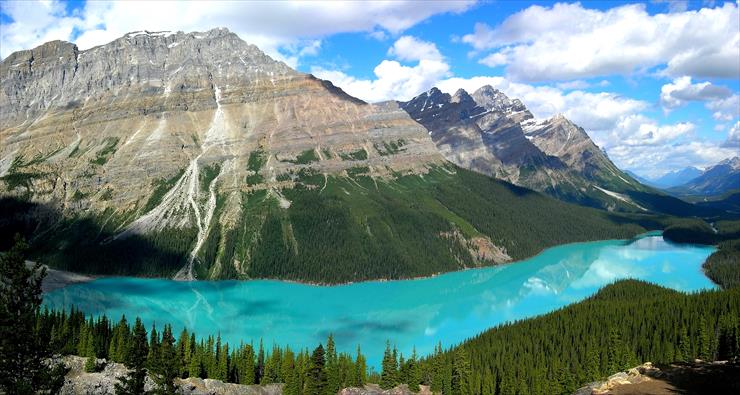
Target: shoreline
(56, 279)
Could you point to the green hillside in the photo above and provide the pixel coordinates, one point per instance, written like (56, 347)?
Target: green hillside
(623, 325)
(339, 229)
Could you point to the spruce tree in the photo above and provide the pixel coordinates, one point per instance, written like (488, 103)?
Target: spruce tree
(389, 366)
(260, 368)
(138, 349)
(360, 374)
(461, 373)
(333, 374)
(22, 353)
(316, 377)
(168, 365)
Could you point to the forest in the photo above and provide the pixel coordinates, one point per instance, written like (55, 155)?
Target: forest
(624, 324)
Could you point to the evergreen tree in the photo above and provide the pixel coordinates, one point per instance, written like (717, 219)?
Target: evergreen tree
(360, 373)
(333, 373)
(316, 377)
(152, 357)
(168, 365)
(260, 368)
(389, 372)
(461, 373)
(138, 349)
(22, 352)
(289, 373)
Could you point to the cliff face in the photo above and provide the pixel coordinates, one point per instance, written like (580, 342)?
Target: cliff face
(153, 128)
(490, 133)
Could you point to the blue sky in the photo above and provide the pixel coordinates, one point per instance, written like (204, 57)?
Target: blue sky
(654, 83)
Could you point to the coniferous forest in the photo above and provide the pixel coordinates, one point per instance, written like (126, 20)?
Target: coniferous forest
(624, 324)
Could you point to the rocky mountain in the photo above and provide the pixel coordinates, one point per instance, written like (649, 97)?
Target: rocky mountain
(492, 134)
(195, 155)
(716, 180)
(677, 177)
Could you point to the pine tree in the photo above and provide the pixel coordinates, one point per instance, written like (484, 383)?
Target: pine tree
(461, 373)
(138, 349)
(705, 346)
(333, 374)
(223, 363)
(22, 352)
(183, 348)
(152, 358)
(389, 374)
(168, 365)
(437, 370)
(414, 372)
(289, 373)
(195, 368)
(260, 368)
(316, 377)
(360, 373)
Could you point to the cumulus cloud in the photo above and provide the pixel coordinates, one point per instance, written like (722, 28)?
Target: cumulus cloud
(593, 111)
(725, 109)
(269, 25)
(681, 91)
(568, 41)
(393, 80)
(733, 137)
(410, 48)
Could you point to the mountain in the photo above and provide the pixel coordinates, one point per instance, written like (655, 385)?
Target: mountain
(675, 178)
(195, 155)
(641, 180)
(489, 133)
(716, 180)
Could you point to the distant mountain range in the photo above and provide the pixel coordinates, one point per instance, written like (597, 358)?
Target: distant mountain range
(716, 180)
(672, 178)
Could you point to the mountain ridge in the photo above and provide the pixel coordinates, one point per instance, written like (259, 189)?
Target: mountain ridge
(715, 180)
(195, 155)
(484, 130)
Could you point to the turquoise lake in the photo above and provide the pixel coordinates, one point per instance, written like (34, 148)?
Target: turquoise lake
(448, 308)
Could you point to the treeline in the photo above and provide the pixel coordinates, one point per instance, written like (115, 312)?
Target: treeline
(626, 323)
(723, 266)
(165, 356)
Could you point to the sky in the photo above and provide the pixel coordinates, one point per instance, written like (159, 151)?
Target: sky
(655, 84)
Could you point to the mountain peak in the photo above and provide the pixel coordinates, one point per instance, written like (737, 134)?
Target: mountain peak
(461, 95)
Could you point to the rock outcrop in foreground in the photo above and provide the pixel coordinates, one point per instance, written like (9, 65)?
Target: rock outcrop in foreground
(78, 382)
(698, 377)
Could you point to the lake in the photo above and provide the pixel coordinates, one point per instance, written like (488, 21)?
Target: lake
(448, 308)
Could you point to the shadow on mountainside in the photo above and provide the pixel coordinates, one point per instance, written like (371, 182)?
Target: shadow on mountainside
(83, 244)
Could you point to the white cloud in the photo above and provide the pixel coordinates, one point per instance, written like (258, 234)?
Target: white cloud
(568, 41)
(725, 109)
(733, 138)
(575, 84)
(681, 91)
(592, 111)
(638, 130)
(269, 25)
(393, 81)
(652, 162)
(410, 48)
